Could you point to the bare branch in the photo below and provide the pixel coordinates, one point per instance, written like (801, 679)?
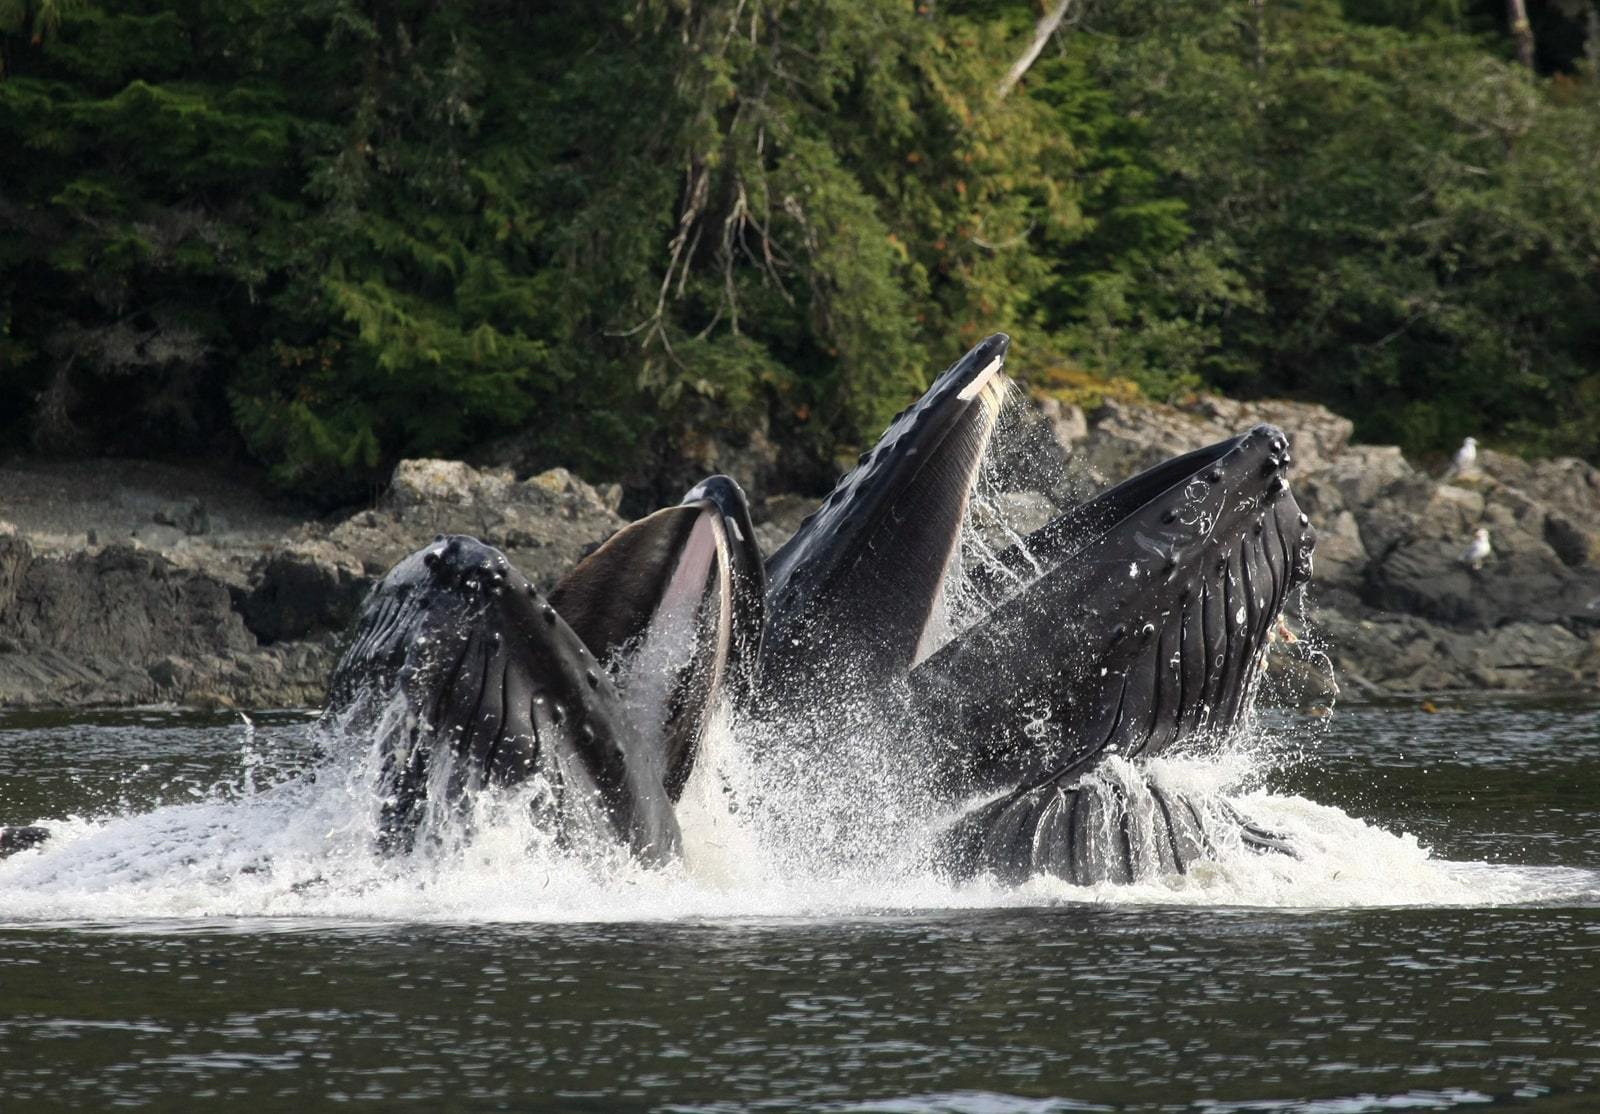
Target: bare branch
(998, 246)
(1041, 34)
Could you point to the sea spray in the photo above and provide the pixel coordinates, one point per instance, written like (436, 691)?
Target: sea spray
(304, 849)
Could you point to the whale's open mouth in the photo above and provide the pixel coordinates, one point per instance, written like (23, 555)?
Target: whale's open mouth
(1128, 626)
(1134, 624)
(673, 604)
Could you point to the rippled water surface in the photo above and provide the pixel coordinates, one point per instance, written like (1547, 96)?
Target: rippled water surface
(211, 927)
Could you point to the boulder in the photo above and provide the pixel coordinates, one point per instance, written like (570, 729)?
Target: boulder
(544, 523)
(95, 628)
(1068, 424)
(1565, 484)
(1124, 438)
(303, 590)
(130, 602)
(1340, 559)
(439, 484)
(1417, 532)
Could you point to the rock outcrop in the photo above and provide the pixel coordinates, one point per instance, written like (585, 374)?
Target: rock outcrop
(252, 621)
(125, 625)
(1392, 602)
(181, 589)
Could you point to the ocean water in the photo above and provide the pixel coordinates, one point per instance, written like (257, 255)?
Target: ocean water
(211, 924)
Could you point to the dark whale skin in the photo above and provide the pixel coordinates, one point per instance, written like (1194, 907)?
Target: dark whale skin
(21, 838)
(851, 594)
(458, 659)
(1146, 632)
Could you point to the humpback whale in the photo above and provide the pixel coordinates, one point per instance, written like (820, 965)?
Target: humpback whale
(466, 677)
(1128, 627)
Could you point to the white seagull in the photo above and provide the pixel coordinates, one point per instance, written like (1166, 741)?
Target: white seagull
(1478, 552)
(1467, 457)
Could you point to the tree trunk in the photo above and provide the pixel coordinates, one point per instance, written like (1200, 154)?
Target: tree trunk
(1521, 30)
(1260, 7)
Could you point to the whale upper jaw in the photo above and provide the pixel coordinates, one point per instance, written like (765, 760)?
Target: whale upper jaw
(852, 595)
(1142, 626)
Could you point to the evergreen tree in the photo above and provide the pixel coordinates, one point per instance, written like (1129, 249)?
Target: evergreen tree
(332, 234)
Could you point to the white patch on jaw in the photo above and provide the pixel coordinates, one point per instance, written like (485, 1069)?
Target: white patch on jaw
(1133, 569)
(971, 390)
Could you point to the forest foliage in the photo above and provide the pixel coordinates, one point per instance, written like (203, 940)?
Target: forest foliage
(330, 233)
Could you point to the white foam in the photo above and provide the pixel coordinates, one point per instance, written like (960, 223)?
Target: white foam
(782, 838)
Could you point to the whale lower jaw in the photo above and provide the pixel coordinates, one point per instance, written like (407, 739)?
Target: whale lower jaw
(1096, 830)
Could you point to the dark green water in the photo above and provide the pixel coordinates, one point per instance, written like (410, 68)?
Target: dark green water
(177, 958)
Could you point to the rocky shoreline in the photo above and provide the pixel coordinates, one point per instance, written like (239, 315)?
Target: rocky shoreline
(1392, 603)
(127, 583)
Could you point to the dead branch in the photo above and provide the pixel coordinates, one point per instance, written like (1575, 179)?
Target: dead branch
(1045, 28)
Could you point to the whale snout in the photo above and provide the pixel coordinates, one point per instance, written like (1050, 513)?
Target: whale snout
(461, 562)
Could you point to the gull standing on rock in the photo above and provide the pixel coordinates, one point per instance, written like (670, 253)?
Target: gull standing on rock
(1466, 458)
(1478, 552)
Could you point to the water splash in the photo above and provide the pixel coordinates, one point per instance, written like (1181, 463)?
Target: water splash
(831, 818)
(756, 844)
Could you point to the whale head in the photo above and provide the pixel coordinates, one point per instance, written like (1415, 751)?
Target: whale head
(851, 597)
(1143, 624)
(468, 678)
